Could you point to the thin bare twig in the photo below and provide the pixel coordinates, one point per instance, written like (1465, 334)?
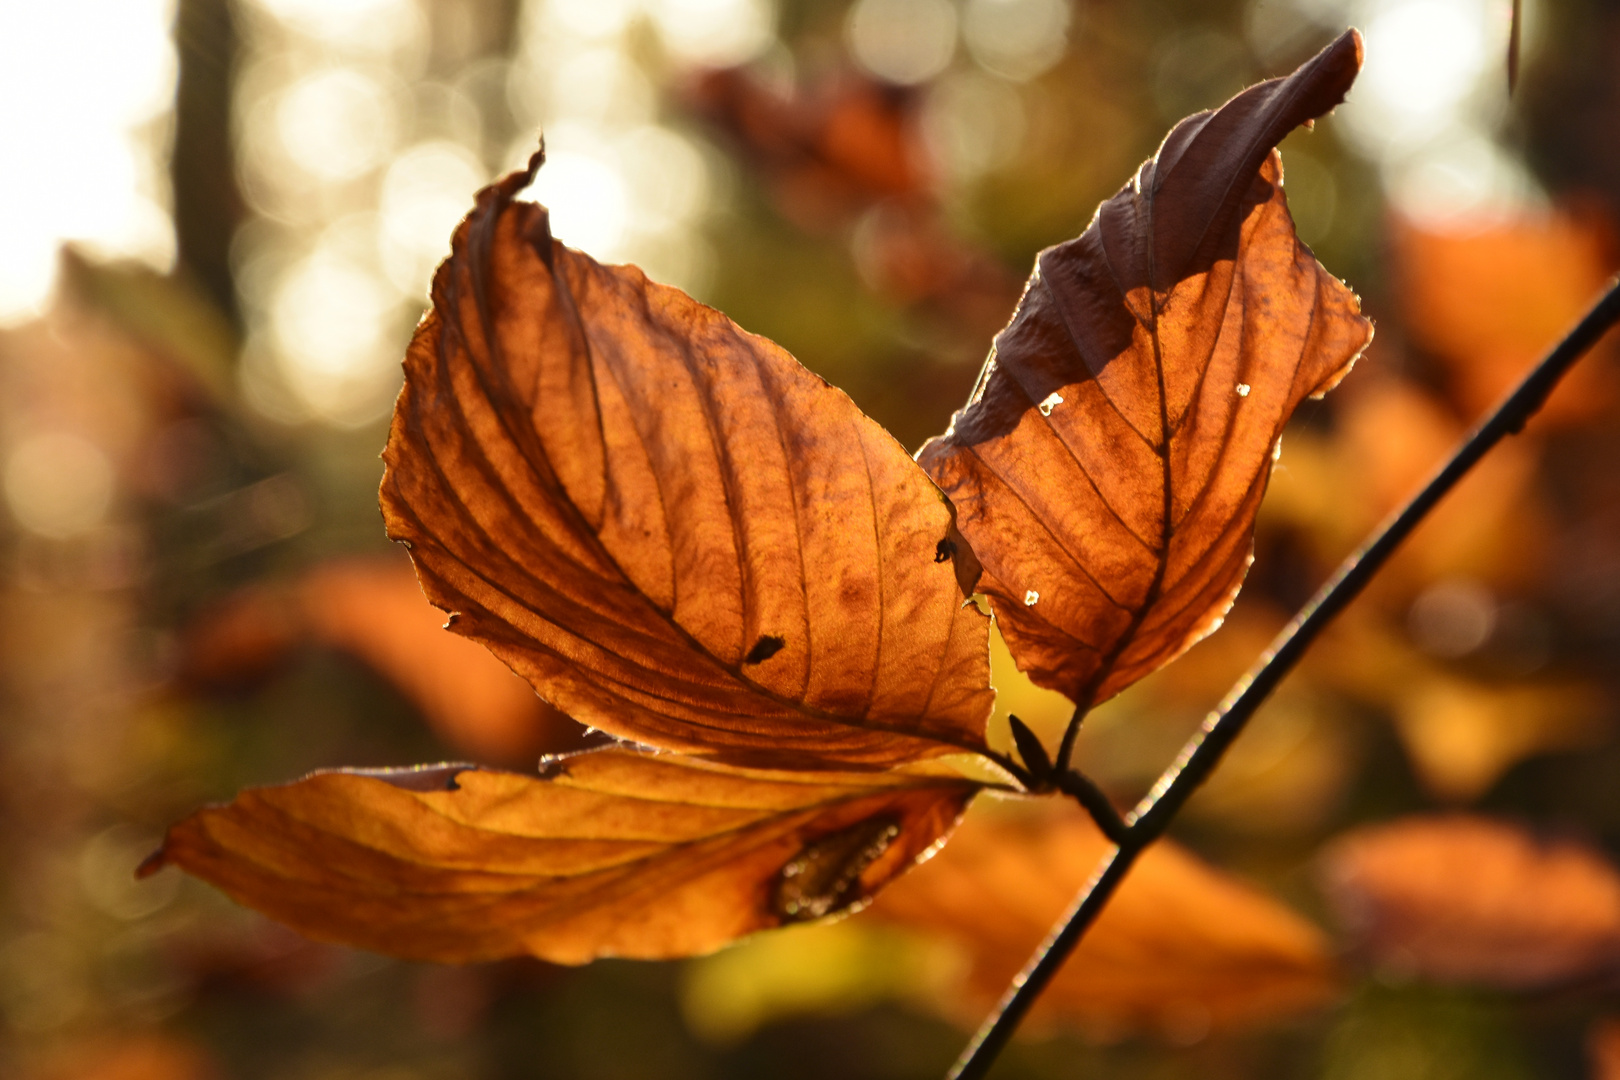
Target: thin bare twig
(1203, 752)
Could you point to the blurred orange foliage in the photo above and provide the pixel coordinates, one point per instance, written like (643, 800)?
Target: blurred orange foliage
(1182, 948)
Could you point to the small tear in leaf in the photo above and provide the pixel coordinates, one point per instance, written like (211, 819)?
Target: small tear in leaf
(766, 647)
(1031, 598)
(1243, 389)
(1052, 401)
(944, 550)
(824, 876)
(963, 560)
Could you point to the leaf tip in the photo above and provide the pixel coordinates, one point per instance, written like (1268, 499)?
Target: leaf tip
(1354, 36)
(1340, 63)
(964, 560)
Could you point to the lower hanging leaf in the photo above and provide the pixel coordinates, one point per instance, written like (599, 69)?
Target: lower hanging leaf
(1462, 899)
(1182, 949)
(609, 852)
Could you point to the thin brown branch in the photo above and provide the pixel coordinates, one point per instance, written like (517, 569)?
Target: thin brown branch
(1203, 752)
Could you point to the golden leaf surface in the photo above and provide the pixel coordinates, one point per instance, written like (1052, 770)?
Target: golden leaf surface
(674, 531)
(1109, 464)
(609, 852)
(1180, 942)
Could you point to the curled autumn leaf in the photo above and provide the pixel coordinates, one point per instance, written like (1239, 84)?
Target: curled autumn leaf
(1182, 947)
(675, 532)
(1462, 899)
(1108, 467)
(609, 852)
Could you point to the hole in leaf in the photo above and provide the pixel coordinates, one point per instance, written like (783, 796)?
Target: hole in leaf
(944, 550)
(765, 648)
(825, 875)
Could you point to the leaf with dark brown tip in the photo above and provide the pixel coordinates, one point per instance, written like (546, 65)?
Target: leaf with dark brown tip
(1109, 464)
(675, 532)
(610, 853)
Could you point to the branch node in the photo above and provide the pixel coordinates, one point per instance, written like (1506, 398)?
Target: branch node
(1097, 804)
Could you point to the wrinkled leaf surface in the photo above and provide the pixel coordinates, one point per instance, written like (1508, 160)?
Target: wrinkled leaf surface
(1109, 464)
(609, 852)
(670, 528)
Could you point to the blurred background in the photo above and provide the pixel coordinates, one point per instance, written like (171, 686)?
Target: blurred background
(218, 221)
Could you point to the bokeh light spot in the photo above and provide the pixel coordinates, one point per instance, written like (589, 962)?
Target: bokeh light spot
(426, 192)
(714, 33)
(337, 124)
(1424, 58)
(588, 200)
(330, 322)
(1018, 39)
(58, 484)
(902, 41)
(972, 124)
(375, 26)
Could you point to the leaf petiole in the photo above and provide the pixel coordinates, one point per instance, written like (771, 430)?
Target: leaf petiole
(1203, 752)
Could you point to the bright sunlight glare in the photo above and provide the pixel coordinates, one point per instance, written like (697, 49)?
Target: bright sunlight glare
(902, 41)
(588, 200)
(361, 25)
(1429, 102)
(84, 155)
(1423, 58)
(424, 194)
(336, 124)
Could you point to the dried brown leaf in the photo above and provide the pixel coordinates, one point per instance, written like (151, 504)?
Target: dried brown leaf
(1180, 946)
(1463, 899)
(1108, 466)
(671, 529)
(610, 852)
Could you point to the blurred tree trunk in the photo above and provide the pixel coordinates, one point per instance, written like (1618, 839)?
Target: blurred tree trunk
(207, 201)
